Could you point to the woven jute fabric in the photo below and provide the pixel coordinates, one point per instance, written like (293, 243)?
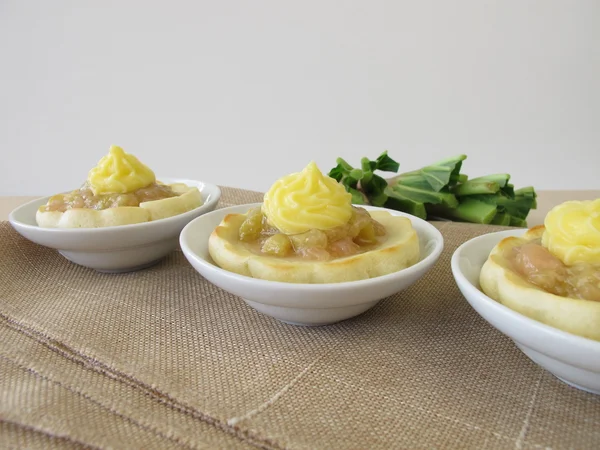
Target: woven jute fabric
(161, 358)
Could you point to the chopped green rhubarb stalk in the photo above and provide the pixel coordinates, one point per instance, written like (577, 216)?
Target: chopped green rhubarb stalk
(516, 222)
(438, 175)
(526, 192)
(473, 187)
(438, 190)
(490, 199)
(500, 178)
(386, 164)
(490, 184)
(467, 211)
(398, 202)
(501, 218)
(414, 179)
(420, 195)
(518, 207)
(358, 198)
(374, 189)
(373, 185)
(529, 193)
(364, 185)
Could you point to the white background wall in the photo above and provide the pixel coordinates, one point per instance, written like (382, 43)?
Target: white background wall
(241, 92)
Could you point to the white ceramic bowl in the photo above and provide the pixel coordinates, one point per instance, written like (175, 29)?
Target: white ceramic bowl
(573, 359)
(114, 249)
(305, 304)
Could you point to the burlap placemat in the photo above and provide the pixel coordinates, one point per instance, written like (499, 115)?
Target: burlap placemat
(162, 359)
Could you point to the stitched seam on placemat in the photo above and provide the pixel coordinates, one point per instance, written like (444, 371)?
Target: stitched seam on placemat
(521, 438)
(282, 391)
(441, 416)
(89, 363)
(440, 225)
(95, 402)
(48, 434)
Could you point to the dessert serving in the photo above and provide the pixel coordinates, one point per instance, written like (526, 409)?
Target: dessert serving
(308, 231)
(120, 190)
(552, 273)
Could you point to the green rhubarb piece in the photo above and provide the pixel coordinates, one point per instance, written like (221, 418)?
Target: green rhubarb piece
(468, 210)
(517, 222)
(438, 175)
(423, 196)
(501, 218)
(473, 187)
(398, 202)
(489, 184)
(517, 207)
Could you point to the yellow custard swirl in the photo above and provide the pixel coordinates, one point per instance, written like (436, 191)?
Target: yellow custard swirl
(119, 173)
(573, 232)
(307, 200)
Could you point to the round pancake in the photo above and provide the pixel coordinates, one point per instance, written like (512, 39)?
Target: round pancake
(499, 281)
(398, 251)
(188, 199)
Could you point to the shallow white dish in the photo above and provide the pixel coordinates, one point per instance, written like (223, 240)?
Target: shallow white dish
(573, 359)
(306, 304)
(114, 249)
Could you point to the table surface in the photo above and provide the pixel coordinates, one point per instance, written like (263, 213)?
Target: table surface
(546, 201)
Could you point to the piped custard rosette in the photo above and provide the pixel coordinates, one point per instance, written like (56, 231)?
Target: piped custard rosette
(552, 273)
(303, 201)
(307, 231)
(120, 190)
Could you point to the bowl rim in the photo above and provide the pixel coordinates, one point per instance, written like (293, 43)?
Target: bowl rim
(415, 268)
(215, 195)
(478, 296)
